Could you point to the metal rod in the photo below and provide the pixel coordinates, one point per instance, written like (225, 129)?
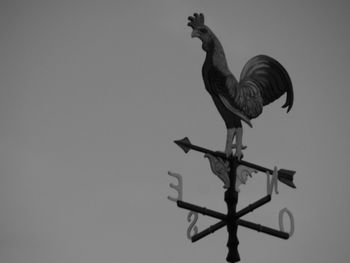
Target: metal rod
(231, 200)
(223, 223)
(264, 229)
(256, 167)
(201, 210)
(253, 206)
(208, 231)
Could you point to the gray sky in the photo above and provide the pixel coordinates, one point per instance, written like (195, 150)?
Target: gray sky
(93, 93)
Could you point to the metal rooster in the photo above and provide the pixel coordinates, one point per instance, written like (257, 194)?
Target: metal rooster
(262, 81)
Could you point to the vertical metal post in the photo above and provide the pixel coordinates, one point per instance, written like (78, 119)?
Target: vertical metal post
(231, 199)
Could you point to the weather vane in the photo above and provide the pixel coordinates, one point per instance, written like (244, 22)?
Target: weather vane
(262, 81)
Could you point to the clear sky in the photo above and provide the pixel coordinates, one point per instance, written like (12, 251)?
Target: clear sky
(93, 93)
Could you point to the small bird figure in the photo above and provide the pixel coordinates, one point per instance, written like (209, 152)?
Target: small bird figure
(262, 81)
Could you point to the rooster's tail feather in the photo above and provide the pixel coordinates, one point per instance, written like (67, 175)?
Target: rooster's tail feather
(270, 77)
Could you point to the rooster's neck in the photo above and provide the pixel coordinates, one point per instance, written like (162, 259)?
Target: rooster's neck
(216, 56)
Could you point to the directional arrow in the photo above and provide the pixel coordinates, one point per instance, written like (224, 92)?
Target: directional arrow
(186, 145)
(285, 176)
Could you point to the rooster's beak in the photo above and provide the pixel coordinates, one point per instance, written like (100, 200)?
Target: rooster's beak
(194, 34)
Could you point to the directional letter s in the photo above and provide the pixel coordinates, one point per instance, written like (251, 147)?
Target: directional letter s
(192, 224)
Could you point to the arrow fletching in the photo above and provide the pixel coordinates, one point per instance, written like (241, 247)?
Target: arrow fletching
(286, 176)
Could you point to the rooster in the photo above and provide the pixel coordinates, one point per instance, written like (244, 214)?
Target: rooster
(262, 81)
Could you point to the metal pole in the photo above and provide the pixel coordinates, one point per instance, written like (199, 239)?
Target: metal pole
(231, 199)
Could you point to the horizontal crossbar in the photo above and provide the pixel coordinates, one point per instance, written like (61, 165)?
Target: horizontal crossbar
(201, 210)
(264, 229)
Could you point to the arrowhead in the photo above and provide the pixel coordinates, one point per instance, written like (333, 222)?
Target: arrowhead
(286, 177)
(184, 144)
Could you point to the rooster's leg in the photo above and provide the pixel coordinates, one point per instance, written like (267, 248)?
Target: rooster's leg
(230, 135)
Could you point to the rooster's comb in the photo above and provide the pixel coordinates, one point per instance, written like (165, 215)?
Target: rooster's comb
(196, 20)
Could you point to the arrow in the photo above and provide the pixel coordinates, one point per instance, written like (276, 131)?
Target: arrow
(285, 176)
(186, 145)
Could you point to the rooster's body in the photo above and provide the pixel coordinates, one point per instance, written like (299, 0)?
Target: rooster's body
(262, 81)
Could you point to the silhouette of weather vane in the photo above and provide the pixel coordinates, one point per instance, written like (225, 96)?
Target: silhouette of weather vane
(262, 81)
